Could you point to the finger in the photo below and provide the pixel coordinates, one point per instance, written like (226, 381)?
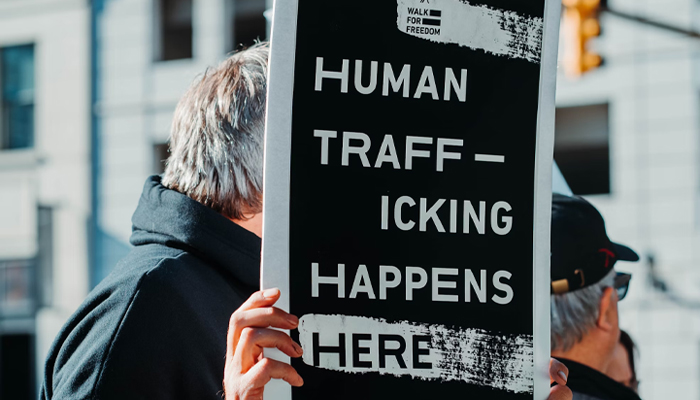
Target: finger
(558, 372)
(560, 392)
(261, 298)
(254, 340)
(259, 318)
(267, 369)
(266, 317)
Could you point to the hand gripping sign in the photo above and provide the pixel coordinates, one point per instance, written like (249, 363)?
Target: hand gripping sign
(407, 191)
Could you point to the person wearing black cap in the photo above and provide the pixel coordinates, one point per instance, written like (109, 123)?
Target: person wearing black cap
(585, 291)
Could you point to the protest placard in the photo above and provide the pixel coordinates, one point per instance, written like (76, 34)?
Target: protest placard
(407, 194)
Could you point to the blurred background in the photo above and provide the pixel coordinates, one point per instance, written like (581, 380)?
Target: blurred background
(88, 88)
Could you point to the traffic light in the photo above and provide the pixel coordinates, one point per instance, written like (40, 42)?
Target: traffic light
(581, 24)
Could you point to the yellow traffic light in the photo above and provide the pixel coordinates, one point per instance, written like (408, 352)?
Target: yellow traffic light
(581, 24)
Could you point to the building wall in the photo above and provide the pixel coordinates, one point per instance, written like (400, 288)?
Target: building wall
(121, 109)
(648, 81)
(56, 171)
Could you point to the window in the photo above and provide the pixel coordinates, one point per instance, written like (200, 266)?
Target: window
(581, 148)
(16, 288)
(174, 33)
(248, 22)
(45, 256)
(17, 100)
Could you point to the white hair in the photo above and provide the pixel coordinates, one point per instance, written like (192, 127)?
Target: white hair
(216, 139)
(575, 313)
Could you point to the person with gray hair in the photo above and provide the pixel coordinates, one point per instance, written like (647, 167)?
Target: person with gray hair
(216, 140)
(585, 291)
(156, 327)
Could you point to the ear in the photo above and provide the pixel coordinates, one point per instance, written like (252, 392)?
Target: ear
(607, 310)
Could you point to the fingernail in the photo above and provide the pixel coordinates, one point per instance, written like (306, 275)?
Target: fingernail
(270, 293)
(563, 376)
(293, 319)
(298, 348)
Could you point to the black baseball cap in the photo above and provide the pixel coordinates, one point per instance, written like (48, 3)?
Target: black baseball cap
(582, 253)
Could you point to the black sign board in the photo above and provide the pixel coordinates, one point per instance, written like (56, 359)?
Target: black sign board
(407, 194)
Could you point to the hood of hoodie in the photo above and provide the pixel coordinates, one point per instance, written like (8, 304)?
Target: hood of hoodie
(170, 218)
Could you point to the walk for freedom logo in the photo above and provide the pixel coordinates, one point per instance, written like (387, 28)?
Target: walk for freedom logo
(423, 21)
(500, 32)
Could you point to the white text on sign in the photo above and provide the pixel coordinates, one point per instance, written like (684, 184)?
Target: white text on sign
(392, 83)
(413, 279)
(500, 223)
(357, 144)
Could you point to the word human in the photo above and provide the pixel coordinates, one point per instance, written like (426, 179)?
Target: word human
(427, 212)
(392, 82)
(357, 144)
(390, 278)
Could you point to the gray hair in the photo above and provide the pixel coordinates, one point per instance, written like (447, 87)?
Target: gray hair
(216, 138)
(575, 313)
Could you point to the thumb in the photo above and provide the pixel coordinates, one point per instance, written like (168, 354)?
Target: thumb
(558, 372)
(560, 392)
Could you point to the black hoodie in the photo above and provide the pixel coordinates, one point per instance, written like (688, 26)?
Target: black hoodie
(155, 328)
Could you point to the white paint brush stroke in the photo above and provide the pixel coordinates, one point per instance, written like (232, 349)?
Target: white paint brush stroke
(471, 355)
(500, 32)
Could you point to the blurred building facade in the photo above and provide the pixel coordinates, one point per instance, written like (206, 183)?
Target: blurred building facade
(87, 92)
(627, 139)
(44, 180)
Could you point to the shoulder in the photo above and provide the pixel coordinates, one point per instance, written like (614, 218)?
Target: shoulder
(177, 318)
(140, 332)
(81, 347)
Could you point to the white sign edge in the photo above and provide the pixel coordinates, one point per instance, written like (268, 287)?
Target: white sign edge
(543, 199)
(277, 156)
